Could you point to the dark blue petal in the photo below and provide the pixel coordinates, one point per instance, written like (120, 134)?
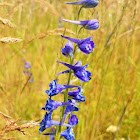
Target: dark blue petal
(68, 65)
(79, 71)
(57, 88)
(68, 50)
(71, 108)
(45, 122)
(68, 134)
(67, 71)
(77, 95)
(73, 120)
(53, 105)
(87, 47)
(83, 75)
(78, 41)
(77, 2)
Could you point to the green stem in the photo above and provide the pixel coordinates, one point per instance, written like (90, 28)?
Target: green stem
(58, 135)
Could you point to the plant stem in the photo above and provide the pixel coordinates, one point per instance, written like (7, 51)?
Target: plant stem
(58, 135)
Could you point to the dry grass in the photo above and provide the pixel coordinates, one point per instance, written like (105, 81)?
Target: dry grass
(12, 126)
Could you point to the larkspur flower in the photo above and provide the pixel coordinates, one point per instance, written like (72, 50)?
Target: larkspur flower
(53, 105)
(48, 122)
(68, 50)
(87, 24)
(57, 88)
(27, 65)
(79, 71)
(70, 109)
(73, 120)
(85, 45)
(85, 3)
(51, 134)
(68, 134)
(77, 95)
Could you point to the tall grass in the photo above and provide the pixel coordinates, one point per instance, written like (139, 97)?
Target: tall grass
(113, 93)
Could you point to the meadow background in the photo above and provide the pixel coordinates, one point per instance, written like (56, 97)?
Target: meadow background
(115, 85)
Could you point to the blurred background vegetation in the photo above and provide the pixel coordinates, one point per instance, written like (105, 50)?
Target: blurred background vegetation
(115, 85)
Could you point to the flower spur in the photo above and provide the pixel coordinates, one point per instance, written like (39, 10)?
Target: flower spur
(85, 3)
(87, 24)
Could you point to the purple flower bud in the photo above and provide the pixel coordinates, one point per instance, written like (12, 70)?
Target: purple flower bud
(87, 24)
(85, 3)
(68, 50)
(85, 45)
(73, 120)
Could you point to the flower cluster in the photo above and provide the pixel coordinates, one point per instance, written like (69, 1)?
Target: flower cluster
(74, 97)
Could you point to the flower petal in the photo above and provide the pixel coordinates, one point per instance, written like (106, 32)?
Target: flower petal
(66, 71)
(68, 65)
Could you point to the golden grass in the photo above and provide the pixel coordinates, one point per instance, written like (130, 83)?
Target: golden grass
(112, 96)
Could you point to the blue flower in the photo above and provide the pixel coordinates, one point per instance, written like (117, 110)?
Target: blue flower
(85, 3)
(57, 88)
(68, 134)
(53, 105)
(27, 65)
(51, 134)
(68, 50)
(31, 80)
(70, 109)
(79, 71)
(87, 24)
(85, 45)
(48, 122)
(77, 95)
(73, 120)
